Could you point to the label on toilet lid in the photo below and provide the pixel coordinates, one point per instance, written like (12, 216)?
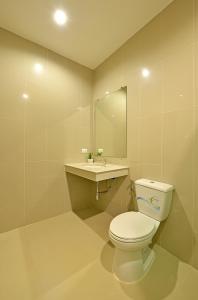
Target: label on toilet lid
(132, 225)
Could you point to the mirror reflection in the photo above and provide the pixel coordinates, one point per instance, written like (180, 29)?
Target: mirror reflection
(110, 123)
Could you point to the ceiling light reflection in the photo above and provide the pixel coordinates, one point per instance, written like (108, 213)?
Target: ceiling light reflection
(25, 97)
(146, 72)
(38, 68)
(60, 17)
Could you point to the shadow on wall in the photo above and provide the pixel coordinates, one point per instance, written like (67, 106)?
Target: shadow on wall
(176, 233)
(98, 214)
(82, 196)
(114, 199)
(118, 199)
(80, 192)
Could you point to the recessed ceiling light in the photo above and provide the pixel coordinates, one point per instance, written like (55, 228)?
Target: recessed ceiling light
(38, 68)
(146, 72)
(107, 92)
(60, 17)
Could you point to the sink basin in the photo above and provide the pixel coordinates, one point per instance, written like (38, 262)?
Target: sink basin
(97, 172)
(94, 167)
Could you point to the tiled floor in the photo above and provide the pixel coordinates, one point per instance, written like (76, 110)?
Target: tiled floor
(67, 258)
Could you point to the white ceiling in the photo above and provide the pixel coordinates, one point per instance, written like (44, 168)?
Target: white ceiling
(96, 28)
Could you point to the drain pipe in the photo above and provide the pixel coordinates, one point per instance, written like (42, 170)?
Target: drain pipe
(97, 190)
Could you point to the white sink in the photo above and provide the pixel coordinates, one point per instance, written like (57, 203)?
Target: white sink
(97, 172)
(94, 167)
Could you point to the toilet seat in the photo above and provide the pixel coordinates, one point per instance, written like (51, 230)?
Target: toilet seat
(131, 227)
(130, 241)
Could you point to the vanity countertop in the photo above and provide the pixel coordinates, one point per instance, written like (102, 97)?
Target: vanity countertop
(97, 172)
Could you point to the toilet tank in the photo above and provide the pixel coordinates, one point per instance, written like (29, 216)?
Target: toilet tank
(153, 198)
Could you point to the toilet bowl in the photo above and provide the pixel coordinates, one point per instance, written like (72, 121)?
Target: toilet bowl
(132, 232)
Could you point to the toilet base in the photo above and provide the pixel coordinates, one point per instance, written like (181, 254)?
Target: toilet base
(132, 266)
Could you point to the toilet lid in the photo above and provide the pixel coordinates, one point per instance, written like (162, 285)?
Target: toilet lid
(132, 226)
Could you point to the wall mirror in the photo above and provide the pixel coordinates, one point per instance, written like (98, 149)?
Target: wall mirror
(110, 123)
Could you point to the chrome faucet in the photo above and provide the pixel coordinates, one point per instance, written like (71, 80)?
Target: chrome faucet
(98, 159)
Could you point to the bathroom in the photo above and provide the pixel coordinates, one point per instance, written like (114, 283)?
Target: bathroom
(58, 60)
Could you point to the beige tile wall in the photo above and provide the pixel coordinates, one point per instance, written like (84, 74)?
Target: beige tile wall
(38, 135)
(162, 117)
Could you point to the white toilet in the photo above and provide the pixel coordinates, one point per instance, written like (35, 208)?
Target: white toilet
(132, 232)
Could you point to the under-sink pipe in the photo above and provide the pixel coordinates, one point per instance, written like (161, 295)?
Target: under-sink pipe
(104, 191)
(97, 190)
